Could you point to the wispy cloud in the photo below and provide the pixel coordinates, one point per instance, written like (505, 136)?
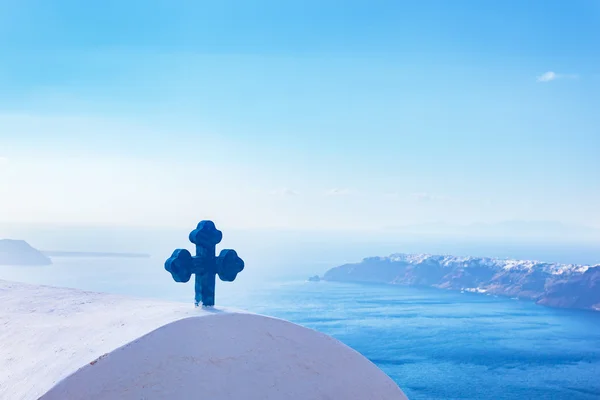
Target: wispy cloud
(422, 196)
(338, 192)
(552, 76)
(284, 192)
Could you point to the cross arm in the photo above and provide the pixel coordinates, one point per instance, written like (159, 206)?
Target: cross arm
(229, 264)
(180, 265)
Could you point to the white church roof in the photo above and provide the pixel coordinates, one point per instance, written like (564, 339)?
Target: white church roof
(60, 343)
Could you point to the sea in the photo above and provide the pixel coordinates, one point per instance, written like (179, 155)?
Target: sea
(434, 344)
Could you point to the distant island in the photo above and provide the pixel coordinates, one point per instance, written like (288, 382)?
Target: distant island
(549, 284)
(93, 254)
(19, 252)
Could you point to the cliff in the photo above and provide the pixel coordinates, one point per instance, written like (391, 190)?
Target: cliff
(555, 285)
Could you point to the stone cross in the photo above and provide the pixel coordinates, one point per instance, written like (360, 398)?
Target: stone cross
(204, 265)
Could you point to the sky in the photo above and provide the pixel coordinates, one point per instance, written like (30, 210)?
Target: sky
(299, 114)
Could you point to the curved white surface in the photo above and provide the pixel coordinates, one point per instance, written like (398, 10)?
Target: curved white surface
(67, 344)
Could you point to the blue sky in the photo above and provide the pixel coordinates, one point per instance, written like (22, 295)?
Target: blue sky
(299, 114)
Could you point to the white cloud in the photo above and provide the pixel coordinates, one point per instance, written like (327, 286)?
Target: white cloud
(547, 77)
(284, 192)
(552, 76)
(338, 192)
(3, 161)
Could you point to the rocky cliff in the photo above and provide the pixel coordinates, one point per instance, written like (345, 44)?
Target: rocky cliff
(556, 285)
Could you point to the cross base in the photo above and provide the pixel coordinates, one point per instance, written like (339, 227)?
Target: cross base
(197, 304)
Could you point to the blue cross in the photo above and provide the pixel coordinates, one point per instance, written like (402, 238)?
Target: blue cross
(204, 264)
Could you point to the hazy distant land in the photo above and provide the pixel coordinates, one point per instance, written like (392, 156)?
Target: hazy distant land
(19, 252)
(93, 254)
(550, 284)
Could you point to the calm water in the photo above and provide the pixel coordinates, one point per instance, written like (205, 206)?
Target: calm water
(435, 344)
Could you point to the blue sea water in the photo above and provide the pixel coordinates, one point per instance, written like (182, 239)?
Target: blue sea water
(435, 344)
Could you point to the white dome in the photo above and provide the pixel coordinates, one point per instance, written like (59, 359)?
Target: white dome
(68, 344)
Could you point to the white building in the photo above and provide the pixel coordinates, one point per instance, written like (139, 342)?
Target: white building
(65, 344)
